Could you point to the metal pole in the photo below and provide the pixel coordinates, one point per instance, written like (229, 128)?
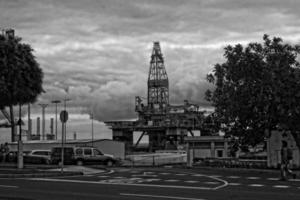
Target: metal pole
(65, 124)
(56, 102)
(92, 129)
(62, 147)
(20, 144)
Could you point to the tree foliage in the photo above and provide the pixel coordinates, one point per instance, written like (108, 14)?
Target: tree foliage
(20, 75)
(257, 88)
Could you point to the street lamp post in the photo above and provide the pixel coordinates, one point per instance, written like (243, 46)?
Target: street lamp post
(65, 124)
(92, 118)
(56, 102)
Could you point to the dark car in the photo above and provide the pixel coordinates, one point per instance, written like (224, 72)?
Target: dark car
(12, 156)
(81, 155)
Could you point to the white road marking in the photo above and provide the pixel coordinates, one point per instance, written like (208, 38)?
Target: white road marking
(9, 186)
(144, 175)
(252, 178)
(256, 185)
(191, 181)
(294, 180)
(281, 186)
(152, 179)
(103, 176)
(211, 183)
(134, 179)
(110, 172)
(234, 184)
(233, 177)
(273, 179)
(149, 172)
(118, 177)
(180, 174)
(198, 175)
(159, 196)
(171, 180)
(164, 173)
(216, 176)
(120, 183)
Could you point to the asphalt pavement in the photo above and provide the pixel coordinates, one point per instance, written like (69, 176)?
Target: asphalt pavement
(155, 183)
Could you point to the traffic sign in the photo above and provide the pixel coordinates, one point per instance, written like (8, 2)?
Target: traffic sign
(64, 116)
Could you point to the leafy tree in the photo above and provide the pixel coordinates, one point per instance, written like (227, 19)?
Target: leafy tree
(20, 75)
(257, 89)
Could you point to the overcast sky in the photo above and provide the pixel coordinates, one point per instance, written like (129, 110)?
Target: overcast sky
(97, 52)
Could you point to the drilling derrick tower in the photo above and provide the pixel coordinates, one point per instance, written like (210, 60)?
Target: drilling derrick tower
(158, 83)
(165, 125)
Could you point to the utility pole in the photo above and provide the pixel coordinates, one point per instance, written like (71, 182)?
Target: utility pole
(56, 102)
(43, 105)
(92, 118)
(65, 109)
(20, 144)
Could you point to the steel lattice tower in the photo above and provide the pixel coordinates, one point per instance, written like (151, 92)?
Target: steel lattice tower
(158, 83)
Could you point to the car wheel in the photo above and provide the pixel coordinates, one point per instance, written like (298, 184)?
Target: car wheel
(109, 163)
(79, 162)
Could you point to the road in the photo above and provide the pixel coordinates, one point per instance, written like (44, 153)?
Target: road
(156, 183)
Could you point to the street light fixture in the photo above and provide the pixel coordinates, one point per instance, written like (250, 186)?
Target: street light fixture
(56, 102)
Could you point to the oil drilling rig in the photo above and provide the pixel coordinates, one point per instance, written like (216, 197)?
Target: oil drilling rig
(166, 125)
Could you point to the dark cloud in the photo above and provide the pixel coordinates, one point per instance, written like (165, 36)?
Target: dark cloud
(97, 52)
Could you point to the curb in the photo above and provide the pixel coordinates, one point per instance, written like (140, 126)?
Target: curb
(270, 171)
(40, 174)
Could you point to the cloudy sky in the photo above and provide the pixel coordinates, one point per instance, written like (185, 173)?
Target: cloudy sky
(97, 52)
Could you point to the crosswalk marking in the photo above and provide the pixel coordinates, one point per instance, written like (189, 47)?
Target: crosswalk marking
(256, 185)
(281, 186)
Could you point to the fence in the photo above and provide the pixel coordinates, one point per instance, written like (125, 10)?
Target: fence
(156, 159)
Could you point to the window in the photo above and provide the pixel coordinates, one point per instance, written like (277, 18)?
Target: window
(97, 152)
(87, 151)
(220, 153)
(43, 153)
(78, 151)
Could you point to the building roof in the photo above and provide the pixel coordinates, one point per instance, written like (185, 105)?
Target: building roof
(59, 141)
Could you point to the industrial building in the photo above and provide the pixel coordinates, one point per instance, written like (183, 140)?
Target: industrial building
(166, 125)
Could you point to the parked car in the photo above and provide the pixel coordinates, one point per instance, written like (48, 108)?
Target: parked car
(12, 156)
(81, 155)
(38, 157)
